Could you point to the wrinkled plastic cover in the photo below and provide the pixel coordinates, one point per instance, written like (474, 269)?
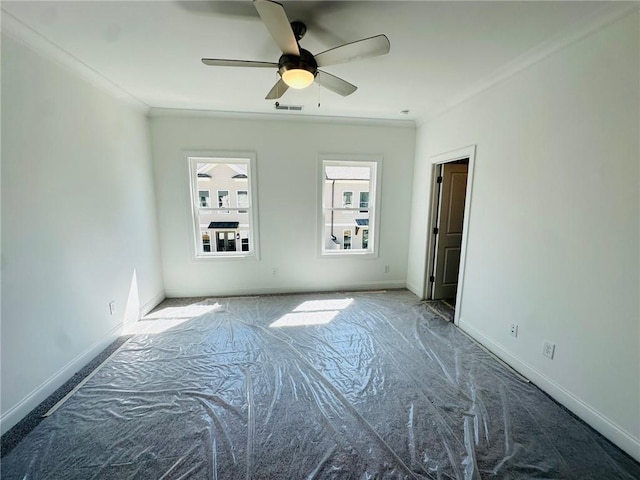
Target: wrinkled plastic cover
(326, 386)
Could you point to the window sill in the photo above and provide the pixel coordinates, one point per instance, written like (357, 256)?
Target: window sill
(230, 256)
(351, 254)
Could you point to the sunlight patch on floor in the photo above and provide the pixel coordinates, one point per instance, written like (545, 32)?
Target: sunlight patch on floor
(152, 326)
(318, 305)
(182, 311)
(313, 312)
(163, 319)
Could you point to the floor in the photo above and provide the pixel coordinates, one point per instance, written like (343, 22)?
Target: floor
(370, 385)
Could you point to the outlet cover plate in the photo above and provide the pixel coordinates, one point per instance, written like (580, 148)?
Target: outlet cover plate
(548, 349)
(514, 330)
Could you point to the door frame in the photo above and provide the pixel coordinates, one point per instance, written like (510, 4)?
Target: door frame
(436, 161)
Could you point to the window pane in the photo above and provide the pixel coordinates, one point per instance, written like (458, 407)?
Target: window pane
(340, 183)
(345, 223)
(222, 210)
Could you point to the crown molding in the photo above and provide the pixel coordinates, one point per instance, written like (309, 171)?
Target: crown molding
(13, 28)
(597, 20)
(283, 117)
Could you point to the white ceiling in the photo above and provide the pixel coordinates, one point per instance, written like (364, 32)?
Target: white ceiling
(439, 50)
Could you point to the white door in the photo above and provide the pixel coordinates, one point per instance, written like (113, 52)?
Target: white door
(449, 230)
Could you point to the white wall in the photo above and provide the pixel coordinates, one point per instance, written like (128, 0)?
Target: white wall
(554, 228)
(419, 224)
(287, 163)
(78, 224)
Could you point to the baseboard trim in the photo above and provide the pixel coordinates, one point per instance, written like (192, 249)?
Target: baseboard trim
(415, 290)
(136, 314)
(618, 435)
(151, 304)
(39, 394)
(214, 292)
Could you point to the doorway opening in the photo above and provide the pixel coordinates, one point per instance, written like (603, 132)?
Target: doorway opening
(449, 219)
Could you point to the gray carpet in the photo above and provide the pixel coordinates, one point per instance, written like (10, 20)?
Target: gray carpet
(374, 386)
(16, 434)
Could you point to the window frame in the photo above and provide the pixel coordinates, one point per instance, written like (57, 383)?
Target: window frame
(373, 161)
(244, 158)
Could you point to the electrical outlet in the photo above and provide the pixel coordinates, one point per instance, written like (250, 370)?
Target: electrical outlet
(387, 268)
(514, 330)
(112, 307)
(548, 349)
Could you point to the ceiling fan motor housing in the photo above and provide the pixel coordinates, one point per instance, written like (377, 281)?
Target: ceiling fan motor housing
(291, 62)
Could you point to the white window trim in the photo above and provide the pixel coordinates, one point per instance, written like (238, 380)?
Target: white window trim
(374, 199)
(248, 158)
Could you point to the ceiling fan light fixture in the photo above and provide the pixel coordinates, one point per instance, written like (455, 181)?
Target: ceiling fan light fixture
(298, 78)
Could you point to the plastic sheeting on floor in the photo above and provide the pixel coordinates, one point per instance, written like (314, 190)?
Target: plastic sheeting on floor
(326, 386)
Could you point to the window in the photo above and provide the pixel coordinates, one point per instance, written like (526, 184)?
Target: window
(347, 199)
(347, 227)
(223, 200)
(364, 200)
(242, 198)
(206, 242)
(244, 241)
(205, 198)
(346, 239)
(233, 235)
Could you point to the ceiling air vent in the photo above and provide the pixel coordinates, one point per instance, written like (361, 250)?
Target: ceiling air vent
(288, 107)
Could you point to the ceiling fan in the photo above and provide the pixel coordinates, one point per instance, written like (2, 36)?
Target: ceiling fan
(298, 68)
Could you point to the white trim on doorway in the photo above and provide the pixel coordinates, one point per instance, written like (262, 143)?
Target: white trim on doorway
(469, 153)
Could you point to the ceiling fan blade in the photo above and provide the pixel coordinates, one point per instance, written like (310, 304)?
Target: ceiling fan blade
(277, 91)
(335, 84)
(275, 19)
(220, 62)
(368, 47)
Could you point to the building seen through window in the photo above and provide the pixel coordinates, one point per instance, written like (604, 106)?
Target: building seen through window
(347, 212)
(224, 226)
